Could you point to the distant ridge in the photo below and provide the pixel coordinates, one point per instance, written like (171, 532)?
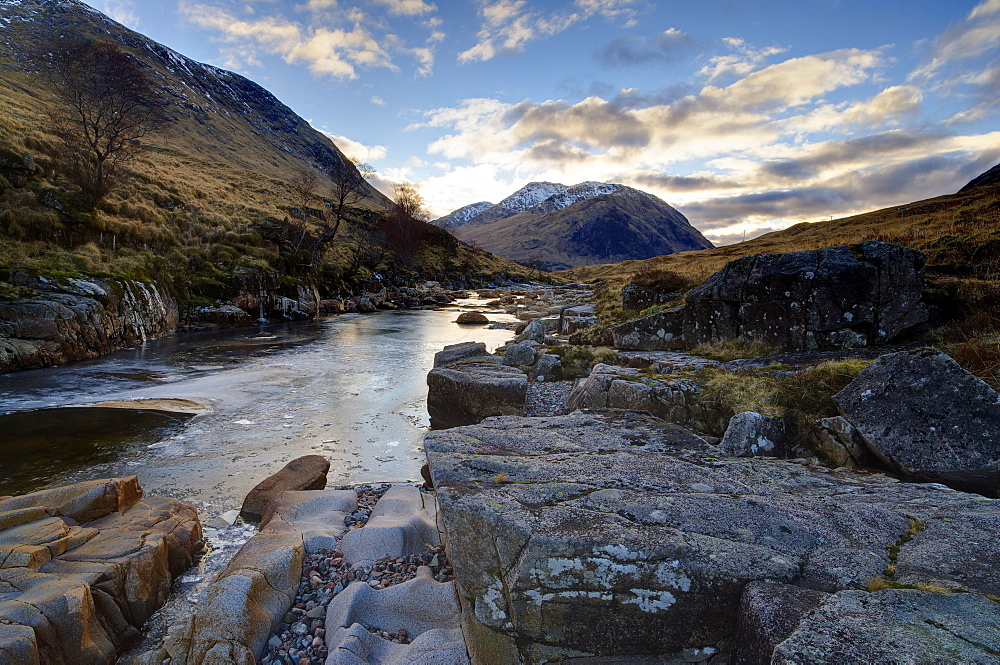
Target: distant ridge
(991, 177)
(555, 226)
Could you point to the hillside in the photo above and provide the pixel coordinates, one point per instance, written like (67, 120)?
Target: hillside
(210, 199)
(554, 226)
(990, 177)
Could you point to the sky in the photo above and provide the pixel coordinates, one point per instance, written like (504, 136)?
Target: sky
(747, 117)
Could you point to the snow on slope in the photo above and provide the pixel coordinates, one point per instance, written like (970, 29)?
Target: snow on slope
(462, 215)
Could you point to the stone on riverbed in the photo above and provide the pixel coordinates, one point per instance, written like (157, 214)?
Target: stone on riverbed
(84, 566)
(472, 317)
(616, 534)
(464, 393)
(302, 473)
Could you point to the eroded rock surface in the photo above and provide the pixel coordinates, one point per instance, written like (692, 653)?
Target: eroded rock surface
(928, 418)
(82, 567)
(896, 626)
(464, 393)
(615, 534)
(73, 319)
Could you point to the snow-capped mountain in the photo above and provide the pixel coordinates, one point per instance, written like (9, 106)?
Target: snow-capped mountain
(555, 226)
(462, 215)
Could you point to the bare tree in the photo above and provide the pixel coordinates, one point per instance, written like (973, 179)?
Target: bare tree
(106, 102)
(304, 184)
(349, 182)
(404, 227)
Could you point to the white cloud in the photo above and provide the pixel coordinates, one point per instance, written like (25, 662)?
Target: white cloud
(508, 25)
(358, 151)
(407, 7)
(378, 101)
(741, 62)
(123, 11)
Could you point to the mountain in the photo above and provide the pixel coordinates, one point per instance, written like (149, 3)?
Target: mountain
(212, 112)
(554, 226)
(462, 215)
(991, 177)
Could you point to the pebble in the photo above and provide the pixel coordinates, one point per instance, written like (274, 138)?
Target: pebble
(548, 398)
(300, 637)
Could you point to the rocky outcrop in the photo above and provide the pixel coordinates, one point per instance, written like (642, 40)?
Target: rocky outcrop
(461, 351)
(615, 534)
(258, 595)
(302, 473)
(769, 613)
(661, 331)
(82, 567)
(74, 319)
(896, 625)
(673, 399)
(840, 297)
(465, 392)
(835, 298)
(926, 417)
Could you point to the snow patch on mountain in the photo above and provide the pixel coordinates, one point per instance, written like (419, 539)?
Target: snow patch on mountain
(462, 215)
(530, 195)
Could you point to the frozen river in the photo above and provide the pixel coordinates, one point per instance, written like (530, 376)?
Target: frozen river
(351, 388)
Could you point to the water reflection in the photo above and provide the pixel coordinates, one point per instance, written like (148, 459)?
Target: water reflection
(40, 445)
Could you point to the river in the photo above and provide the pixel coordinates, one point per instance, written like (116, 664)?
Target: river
(351, 388)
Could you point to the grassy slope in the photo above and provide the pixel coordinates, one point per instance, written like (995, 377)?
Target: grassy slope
(199, 201)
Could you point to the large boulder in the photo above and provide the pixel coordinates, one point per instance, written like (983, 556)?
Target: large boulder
(896, 626)
(660, 331)
(461, 351)
(472, 317)
(615, 534)
(928, 418)
(302, 473)
(839, 297)
(466, 392)
(752, 434)
(83, 567)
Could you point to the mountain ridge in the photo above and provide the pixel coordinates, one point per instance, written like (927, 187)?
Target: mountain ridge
(556, 226)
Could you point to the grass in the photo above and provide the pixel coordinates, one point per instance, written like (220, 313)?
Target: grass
(734, 349)
(194, 222)
(577, 361)
(799, 398)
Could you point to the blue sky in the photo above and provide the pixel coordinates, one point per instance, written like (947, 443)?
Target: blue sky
(746, 116)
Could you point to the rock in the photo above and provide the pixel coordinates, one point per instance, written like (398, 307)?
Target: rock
(425, 473)
(751, 434)
(672, 399)
(317, 515)
(661, 331)
(472, 317)
(224, 316)
(516, 355)
(926, 417)
(837, 439)
(769, 613)
(246, 601)
(616, 534)
(834, 298)
(401, 523)
(637, 298)
(954, 548)
(462, 351)
(545, 367)
(427, 610)
(466, 392)
(896, 626)
(74, 319)
(303, 473)
(534, 332)
(78, 592)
